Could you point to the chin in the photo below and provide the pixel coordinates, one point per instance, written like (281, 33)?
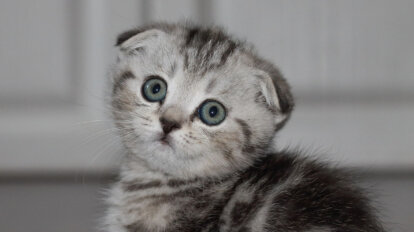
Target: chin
(175, 162)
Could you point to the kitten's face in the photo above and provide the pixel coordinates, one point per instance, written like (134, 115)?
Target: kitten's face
(193, 107)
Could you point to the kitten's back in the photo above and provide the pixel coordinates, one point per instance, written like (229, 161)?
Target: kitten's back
(299, 194)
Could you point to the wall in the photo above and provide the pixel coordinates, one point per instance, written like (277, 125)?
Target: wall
(349, 63)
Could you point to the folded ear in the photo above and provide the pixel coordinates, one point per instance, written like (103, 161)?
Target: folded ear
(124, 36)
(136, 39)
(276, 92)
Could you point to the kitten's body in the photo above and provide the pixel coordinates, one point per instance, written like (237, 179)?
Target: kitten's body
(199, 177)
(279, 193)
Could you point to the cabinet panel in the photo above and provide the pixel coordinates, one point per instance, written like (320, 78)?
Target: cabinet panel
(329, 47)
(54, 114)
(328, 50)
(35, 45)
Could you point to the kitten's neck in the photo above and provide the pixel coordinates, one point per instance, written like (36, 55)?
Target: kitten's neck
(133, 169)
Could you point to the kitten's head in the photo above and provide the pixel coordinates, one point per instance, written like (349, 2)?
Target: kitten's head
(192, 101)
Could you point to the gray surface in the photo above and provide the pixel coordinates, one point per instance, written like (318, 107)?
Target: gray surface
(394, 198)
(61, 204)
(50, 205)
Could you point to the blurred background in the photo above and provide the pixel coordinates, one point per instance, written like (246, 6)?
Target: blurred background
(350, 63)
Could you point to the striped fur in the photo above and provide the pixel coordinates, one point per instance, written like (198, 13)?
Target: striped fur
(215, 178)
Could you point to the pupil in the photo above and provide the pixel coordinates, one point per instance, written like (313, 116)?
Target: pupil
(156, 88)
(213, 111)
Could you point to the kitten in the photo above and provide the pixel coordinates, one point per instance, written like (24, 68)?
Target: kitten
(197, 112)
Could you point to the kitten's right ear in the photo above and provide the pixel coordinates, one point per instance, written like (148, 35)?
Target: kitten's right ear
(124, 36)
(136, 39)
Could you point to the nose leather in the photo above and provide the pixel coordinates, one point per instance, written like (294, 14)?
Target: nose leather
(171, 119)
(168, 125)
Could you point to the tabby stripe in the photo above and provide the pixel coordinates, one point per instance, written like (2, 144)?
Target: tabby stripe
(131, 187)
(248, 147)
(226, 54)
(211, 85)
(188, 190)
(121, 79)
(135, 227)
(190, 36)
(178, 182)
(244, 212)
(173, 69)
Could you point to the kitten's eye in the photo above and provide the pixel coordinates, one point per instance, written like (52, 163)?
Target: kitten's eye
(154, 89)
(212, 112)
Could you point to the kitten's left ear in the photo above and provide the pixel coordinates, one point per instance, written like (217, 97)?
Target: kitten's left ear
(276, 92)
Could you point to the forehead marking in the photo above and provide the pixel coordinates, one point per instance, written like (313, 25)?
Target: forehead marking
(190, 35)
(211, 85)
(205, 50)
(172, 70)
(226, 54)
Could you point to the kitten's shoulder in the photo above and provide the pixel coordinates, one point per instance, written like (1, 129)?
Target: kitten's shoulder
(308, 194)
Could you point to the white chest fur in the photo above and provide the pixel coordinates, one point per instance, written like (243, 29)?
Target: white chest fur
(147, 208)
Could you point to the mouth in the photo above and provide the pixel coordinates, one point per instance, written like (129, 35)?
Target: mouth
(165, 140)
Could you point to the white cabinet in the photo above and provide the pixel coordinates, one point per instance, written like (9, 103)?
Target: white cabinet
(344, 48)
(55, 58)
(349, 63)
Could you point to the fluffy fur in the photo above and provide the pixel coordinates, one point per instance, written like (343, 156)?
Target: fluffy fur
(215, 178)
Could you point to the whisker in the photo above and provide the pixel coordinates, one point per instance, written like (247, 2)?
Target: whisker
(99, 134)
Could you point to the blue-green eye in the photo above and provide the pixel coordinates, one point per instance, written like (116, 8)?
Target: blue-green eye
(212, 112)
(154, 89)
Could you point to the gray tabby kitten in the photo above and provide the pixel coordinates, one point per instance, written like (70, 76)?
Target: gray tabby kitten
(197, 112)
